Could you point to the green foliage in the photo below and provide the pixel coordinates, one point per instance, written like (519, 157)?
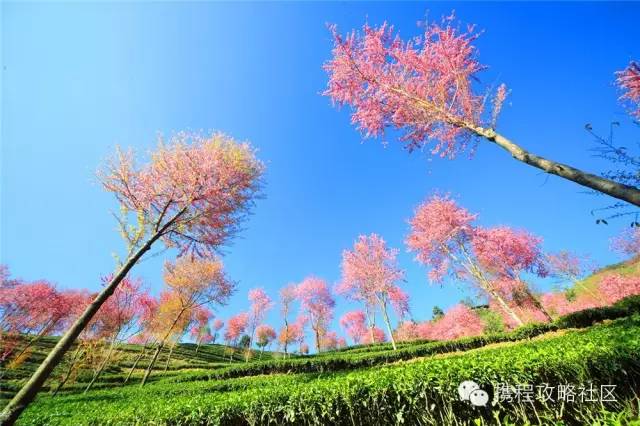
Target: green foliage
(420, 392)
(587, 317)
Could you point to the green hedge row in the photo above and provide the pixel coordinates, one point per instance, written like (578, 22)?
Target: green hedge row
(421, 392)
(349, 361)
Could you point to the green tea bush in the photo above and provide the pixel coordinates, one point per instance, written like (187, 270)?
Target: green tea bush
(420, 392)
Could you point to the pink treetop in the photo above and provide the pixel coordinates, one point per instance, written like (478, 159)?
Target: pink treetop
(370, 270)
(614, 287)
(294, 333)
(354, 324)
(399, 301)
(316, 301)
(194, 191)
(438, 228)
(508, 252)
(406, 331)
(236, 325)
(629, 81)
(459, 321)
(260, 304)
(424, 86)
(628, 242)
(329, 341)
(378, 336)
(287, 297)
(198, 281)
(569, 266)
(118, 316)
(265, 334)
(217, 325)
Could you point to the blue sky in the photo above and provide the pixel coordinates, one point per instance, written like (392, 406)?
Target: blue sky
(77, 79)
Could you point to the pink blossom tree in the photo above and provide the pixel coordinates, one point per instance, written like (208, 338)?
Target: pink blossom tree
(614, 287)
(236, 325)
(571, 268)
(265, 334)
(629, 81)
(260, 305)
(376, 335)
(506, 254)
(118, 318)
(369, 274)
(354, 324)
(201, 332)
(191, 195)
(287, 298)
(442, 234)
(317, 304)
(194, 283)
(426, 87)
(218, 324)
(627, 243)
(304, 349)
(293, 333)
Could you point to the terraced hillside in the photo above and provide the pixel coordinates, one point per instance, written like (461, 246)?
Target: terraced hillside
(375, 385)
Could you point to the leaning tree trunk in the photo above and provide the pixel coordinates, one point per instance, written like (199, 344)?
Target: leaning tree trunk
(538, 305)
(103, 365)
(166, 364)
(617, 190)
(623, 192)
(385, 315)
(135, 363)
(161, 344)
(67, 375)
(26, 394)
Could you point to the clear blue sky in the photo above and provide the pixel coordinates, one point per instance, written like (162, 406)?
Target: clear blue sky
(77, 79)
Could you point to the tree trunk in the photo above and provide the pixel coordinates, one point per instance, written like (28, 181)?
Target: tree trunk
(135, 363)
(26, 394)
(102, 366)
(161, 344)
(67, 375)
(317, 340)
(537, 304)
(617, 190)
(385, 315)
(166, 365)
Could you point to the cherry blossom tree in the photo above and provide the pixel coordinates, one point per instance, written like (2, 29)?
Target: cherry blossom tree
(614, 287)
(571, 268)
(265, 334)
(442, 233)
(194, 283)
(218, 324)
(236, 325)
(377, 335)
(458, 321)
(507, 254)
(369, 274)
(354, 324)
(191, 195)
(317, 303)
(293, 333)
(304, 349)
(260, 304)
(426, 87)
(406, 331)
(287, 298)
(628, 242)
(118, 317)
(629, 81)
(201, 332)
